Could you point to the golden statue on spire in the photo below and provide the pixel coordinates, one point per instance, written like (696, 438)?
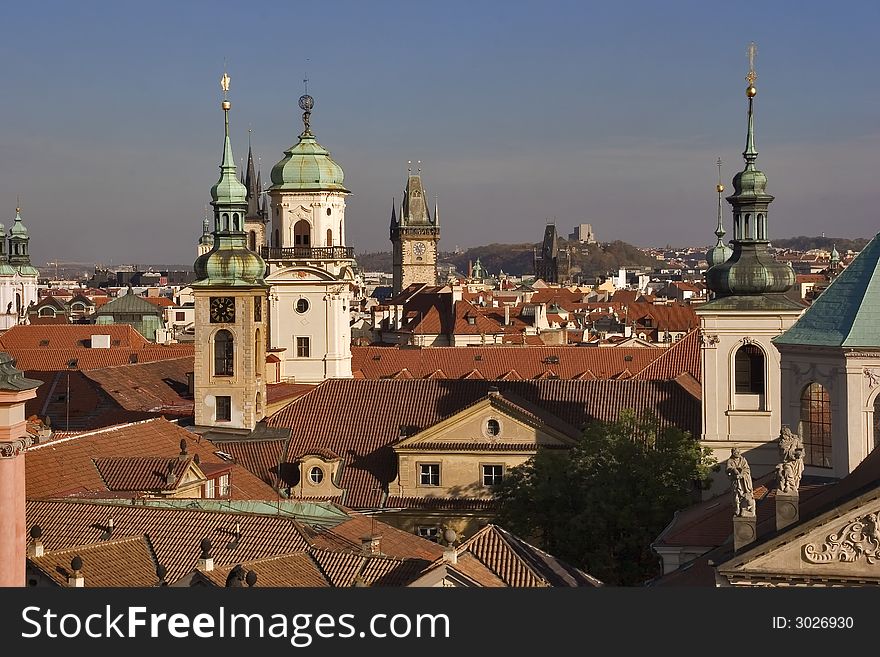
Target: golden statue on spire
(752, 51)
(224, 83)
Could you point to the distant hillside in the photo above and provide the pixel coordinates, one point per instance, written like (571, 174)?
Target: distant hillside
(802, 243)
(518, 259)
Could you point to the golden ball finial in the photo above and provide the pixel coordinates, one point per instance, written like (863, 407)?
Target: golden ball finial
(226, 105)
(719, 188)
(751, 91)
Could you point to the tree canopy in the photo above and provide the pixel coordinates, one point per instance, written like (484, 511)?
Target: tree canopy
(600, 505)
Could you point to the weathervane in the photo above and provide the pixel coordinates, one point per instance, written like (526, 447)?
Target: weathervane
(719, 188)
(752, 51)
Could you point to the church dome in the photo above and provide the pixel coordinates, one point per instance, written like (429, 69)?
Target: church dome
(229, 265)
(18, 228)
(307, 166)
(749, 271)
(718, 254)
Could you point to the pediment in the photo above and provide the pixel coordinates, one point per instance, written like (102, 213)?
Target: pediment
(469, 429)
(834, 546)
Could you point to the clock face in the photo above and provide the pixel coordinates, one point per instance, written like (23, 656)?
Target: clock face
(419, 248)
(222, 310)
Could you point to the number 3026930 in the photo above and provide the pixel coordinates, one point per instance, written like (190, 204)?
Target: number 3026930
(813, 623)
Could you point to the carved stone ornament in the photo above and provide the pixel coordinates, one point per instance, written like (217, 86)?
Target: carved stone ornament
(860, 538)
(873, 377)
(748, 340)
(708, 340)
(9, 449)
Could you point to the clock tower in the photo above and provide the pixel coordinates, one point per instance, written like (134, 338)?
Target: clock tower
(414, 236)
(231, 308)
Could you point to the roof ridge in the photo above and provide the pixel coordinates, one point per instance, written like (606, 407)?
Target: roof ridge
(115, 427)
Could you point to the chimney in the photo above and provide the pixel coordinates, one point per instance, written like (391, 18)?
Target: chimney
(371, 545)
(76, 580)
(507, 315)
(206, 562)
(36, 547)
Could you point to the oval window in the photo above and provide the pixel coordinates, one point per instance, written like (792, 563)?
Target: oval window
(302, 306)
(316, 475)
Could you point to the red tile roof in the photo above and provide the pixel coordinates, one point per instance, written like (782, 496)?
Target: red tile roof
(59, 466)
(117, 562)
(496, 362)
(684, 356)
(156, 387)
(128, 473)
(361, 419)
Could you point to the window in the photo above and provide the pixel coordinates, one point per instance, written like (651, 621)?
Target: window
(329, 212)
(180, 317)
(429, 474)
(329, 237)
(223, 486)
(47, 312)
(816, 425)
(493, 427)
(877, 421)
(302, 233)
(431, 533)
(492, 474)
(224, 409)
(316, 475)
(252, 240)
(209, 489)
(749, 370)
(224, 352)
(302, 306)
(302, 347)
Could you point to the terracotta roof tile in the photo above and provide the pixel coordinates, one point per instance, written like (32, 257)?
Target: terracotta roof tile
(157, 387)
(115, 563)
(141, 474)
(298, 570)
(68, 464)
(684, 356)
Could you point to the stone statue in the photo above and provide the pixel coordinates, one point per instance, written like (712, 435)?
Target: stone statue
(741, 484)
(789, 471)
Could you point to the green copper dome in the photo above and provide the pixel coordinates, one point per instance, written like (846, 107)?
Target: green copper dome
(307, 166)
(718, 254)
(229, 264)
(18, 229)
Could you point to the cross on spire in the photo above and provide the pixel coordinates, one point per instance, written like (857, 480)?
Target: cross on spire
(752, 52)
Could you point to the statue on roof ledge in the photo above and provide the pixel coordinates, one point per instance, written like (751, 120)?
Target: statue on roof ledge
(740, 475)
(789, 471)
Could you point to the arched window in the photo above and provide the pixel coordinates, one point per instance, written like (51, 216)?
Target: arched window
(259, 405)
(236, 224)
(258, 354)
(877, 421)
(761, 227)
(252, 240)
(329, 236)
(224, 222)
(302, 233)
(816, 425)
(224, 352)
(47, 312)
(749, 370)
(747, 230)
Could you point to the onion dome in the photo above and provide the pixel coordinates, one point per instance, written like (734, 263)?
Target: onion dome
(307, 166)
(720, 252)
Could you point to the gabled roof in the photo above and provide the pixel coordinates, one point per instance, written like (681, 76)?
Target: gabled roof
(127, 561)
(520, 564)
(127, 473)
(847, 313)
(59, 467)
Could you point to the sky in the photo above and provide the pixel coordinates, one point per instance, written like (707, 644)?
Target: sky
(520, 113)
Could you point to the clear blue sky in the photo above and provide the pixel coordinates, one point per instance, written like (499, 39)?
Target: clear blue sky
(608, 113)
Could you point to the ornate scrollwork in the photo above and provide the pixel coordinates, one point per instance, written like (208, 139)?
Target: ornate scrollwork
(749, 340)
(11, 448)
(872, 376)
(709, 340)
(859, 538)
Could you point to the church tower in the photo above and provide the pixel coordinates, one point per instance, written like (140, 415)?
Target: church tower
(741, 367)
(206, 240)
(310, 267)
(255, 217)
(414, 237)
(18, 277)
(230, 310)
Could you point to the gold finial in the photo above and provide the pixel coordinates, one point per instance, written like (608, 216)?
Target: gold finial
(719, 187)
(752, 51)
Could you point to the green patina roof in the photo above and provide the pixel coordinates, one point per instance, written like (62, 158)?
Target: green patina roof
(847, 313)
(307, 166)
(18, 228)
(129, 303)
(762, 302)
(13, 379)
(229, 188)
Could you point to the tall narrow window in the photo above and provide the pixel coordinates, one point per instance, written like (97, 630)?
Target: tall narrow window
(224, 408)
(329, 237)
(224, 352)
(749, 370)
(258, 353)
(277, 241)
(816, 425)
(252, 240)
(302, 347)
(877, 421)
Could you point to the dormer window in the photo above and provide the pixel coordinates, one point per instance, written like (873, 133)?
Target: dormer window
(493, 427)
(316, 475)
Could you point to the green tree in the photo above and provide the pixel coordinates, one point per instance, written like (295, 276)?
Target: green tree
(600, 504)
